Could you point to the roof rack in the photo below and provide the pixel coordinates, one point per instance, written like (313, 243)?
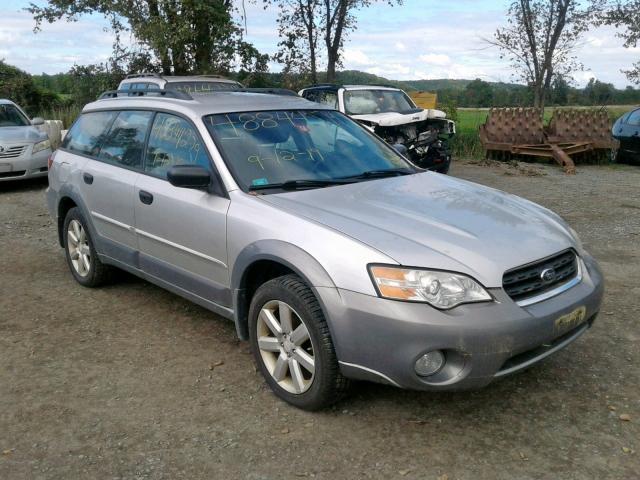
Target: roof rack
(272, 91)
(145, 74)
(146, 92)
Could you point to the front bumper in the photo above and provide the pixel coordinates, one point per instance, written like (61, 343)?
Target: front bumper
(380, 340)
(27, 165)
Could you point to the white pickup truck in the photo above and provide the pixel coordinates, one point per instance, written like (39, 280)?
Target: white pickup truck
(391, 114)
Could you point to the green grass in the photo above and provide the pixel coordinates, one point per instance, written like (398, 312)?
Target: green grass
(66, 114)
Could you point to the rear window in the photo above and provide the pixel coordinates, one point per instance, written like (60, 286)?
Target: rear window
(88, 132)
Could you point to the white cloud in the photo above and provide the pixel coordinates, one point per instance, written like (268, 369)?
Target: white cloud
(355, 57)
(401, 47)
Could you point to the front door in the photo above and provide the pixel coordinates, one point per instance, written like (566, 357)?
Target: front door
(181, 232)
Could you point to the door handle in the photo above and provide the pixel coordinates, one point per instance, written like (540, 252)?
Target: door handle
(88, 178)
(145, 197)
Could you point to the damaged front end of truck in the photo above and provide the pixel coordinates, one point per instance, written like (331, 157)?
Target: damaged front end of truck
(423, 135)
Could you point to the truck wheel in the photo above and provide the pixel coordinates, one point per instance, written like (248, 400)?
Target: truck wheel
(292, 346)
(81, 255)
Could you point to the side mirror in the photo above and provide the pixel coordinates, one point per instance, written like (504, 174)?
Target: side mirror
(189, 176)
(37, 121)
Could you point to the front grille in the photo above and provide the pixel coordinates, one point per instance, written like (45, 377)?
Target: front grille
(526, 281)
(13, 152)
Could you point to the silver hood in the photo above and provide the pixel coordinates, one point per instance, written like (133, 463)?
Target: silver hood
(25, 135)
(436, 221)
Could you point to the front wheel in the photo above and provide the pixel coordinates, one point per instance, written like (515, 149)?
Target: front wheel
(292, 346)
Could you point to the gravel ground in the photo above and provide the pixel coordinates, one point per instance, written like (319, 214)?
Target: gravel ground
(130, 381)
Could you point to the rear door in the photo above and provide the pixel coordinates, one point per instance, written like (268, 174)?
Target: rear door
(108, 181)
(181, 232)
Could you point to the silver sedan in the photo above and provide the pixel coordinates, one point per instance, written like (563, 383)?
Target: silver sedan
(24, 149)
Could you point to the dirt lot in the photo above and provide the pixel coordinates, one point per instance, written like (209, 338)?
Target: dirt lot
(127, 381)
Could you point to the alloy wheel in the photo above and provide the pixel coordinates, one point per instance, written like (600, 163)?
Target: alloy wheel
(78, 247)
(285, 347)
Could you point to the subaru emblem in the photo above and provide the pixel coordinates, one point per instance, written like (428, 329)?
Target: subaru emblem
(548, 275)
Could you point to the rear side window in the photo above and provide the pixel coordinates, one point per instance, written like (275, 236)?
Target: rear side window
(124, 144)
(173, 141)
(325, 97)
(88, 133)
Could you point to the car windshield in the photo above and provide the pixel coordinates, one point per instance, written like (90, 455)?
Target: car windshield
(10, 116)
(201, 86)
(300, 148)
(368, 102)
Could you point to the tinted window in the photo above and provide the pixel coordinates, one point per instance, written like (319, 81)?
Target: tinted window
(124, 144)
(10, 116)
(264, 148)
(87, 134)
(173, 141)
(125, 86)
(634, 118)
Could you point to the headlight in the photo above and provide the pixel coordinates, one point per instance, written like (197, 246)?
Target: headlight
(442, 290)
(43, 145)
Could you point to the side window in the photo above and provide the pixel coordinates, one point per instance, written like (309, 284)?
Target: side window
(124, 144)
(88, 132)
(125, 86)
(310, 95)
(327, 97)
(173, 141)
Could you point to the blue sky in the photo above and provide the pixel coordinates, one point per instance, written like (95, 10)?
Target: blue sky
(422, 39)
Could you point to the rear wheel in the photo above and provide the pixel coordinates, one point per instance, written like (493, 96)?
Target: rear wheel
(615, 155)
(292, 345)
(81, 255)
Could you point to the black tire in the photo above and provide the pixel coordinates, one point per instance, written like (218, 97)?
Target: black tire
(328, 384)
(98, 273)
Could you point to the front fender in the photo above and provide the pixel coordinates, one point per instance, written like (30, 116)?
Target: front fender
(287, 254)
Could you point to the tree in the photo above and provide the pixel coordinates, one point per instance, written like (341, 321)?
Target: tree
(599, 93)
(541, 37)
(338, 20)
(18, 87)
(626, 14)
(298, 31)
(184, 36)
(559, 94)
(479, 94)
(307, 20)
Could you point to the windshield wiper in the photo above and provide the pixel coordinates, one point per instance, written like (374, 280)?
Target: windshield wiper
(391, 172)
(301, 184)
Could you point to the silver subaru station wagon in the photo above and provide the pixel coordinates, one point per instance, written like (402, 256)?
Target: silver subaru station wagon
(334, 256)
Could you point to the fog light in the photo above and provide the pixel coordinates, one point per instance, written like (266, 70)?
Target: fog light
(430, 363)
